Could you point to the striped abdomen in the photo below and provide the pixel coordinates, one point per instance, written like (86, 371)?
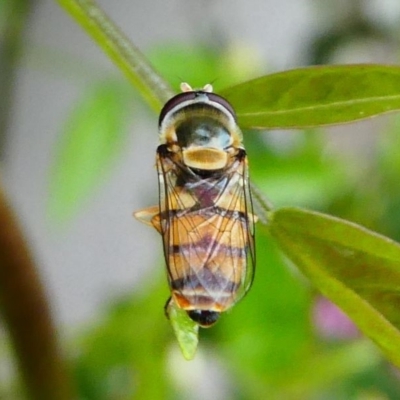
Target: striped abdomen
(207, 257)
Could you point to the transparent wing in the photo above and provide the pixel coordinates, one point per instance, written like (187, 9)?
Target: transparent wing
(207, 225)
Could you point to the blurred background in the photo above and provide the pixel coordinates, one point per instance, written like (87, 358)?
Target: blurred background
(77, 151)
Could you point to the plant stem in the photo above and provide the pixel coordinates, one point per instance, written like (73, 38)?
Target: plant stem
(27, 315)
(128, 58)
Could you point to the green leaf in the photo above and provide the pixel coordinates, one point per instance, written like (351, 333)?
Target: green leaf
(316, 96)
(92, 138)
(356, 268)
(186, 330)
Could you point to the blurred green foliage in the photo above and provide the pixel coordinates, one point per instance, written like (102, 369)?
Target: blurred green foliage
(93, 138)
(268, 346)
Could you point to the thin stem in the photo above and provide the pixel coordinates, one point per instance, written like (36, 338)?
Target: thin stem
(128, 58)
(25, 310)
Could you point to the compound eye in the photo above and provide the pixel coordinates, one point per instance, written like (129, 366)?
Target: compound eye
(222, 102)
(187, 96)
(173, 102)
(204, 318)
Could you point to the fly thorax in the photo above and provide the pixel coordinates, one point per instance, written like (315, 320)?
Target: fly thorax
(203, 141)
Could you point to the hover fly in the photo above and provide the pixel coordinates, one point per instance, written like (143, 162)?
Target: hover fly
(205, 213)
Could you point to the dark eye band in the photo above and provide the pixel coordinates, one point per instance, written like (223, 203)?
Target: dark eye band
(187, 96)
